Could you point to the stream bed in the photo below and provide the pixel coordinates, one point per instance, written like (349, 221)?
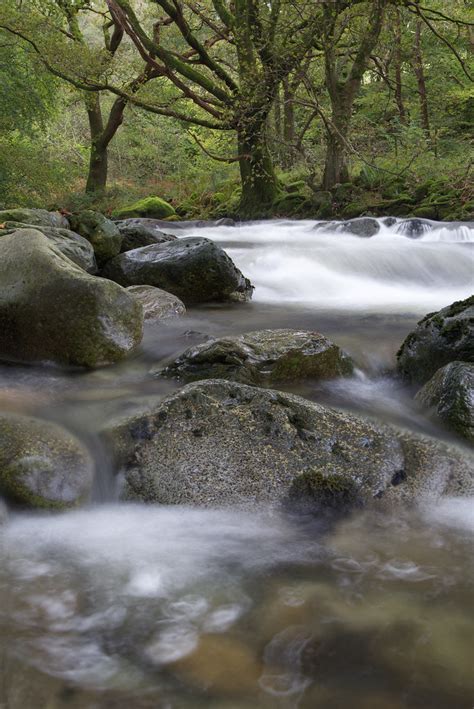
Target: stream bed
(132, 606)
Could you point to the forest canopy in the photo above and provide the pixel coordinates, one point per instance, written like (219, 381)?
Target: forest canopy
(244, 107)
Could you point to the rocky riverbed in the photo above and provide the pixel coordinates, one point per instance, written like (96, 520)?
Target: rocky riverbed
(236, 462)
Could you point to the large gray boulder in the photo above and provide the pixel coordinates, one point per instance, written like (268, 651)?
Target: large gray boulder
(141, 232)
(362, 226)
(50, 309)
(72, 245)
(220, 443)
(101, 232)
(264, 356)
(450, 395)
(157, 304)
(440, 338)
(41, 464)
(38, 217)
(194, 269)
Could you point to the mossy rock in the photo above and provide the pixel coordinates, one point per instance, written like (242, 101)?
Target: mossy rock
(450, 395)
(52, 310)
(226, 444)
(72, 245)
(101, 232)
(441, 337)
(42, 465)
(264, 356)
(152, 207)
(315, 491)
(37, 217)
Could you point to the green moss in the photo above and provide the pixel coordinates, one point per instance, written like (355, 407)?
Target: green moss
(152, 207)
(328, 491)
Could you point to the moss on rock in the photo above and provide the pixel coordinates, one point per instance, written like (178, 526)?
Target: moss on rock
(153, 207)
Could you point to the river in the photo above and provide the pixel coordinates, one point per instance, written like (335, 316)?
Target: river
(120, 605)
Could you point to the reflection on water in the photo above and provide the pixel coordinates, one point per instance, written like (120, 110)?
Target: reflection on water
(130, 606)
(221, 608)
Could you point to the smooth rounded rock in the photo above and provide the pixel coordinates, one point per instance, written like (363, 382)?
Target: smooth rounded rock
(101, 232)
(363, 226)
(221, 443)
(42, 465)
(141, 232)
(263, 356)
(38, 217)
(153, 207)
(450, 395)
(439, 338)
(194, 269)
(52, 310)
(158, 305)
(72, 245)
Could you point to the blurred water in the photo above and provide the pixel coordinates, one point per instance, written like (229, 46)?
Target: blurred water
(119, 606)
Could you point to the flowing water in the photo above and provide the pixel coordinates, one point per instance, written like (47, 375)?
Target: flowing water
(136, 606)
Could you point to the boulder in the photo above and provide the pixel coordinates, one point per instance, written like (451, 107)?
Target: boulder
(265, 356)
(194, 269)
(440, 338)
(41, 464)
(450, 395)
(220, 443)
(414, 228)
(72, 245)
(153, 207)
(38, 217)
(50, 309)
(363, 226)
(141, 232)
(101, 232)
(157, 304)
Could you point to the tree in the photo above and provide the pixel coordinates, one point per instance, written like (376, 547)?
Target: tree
(227, 71)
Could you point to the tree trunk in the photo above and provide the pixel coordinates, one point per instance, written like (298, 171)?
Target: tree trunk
(420, 77)
(259, 182)
(288, 124)
(336, 169)
(398, 68)
(97, 176)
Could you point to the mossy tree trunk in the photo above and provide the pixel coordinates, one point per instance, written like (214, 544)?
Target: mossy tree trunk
(343, 80)
(259, 182)
(101, 135)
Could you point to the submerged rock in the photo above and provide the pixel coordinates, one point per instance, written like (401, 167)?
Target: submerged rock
(263, 356)
(157, 304)
(38, 217)
(72, 245)
(440, 338)
(50, 309)
(414, 228)
(220, 443)
(141, 232)
(41, 464)
(101, 232)
(194, 269)
(450, 394)
(153, 207)
(363, 226)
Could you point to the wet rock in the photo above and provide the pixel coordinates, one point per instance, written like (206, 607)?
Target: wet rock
(220, 443)
(414, 228)
(441, 337)
(363, 226)
(141, 232)
(101, 232)
(38, 217)
(263, 356)
(194, 269)
(157, 304)
(153, 207)
(450, 395)
(389, 221)
(50, 309)
(72, 245)
(3, 513)
(41, 464)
